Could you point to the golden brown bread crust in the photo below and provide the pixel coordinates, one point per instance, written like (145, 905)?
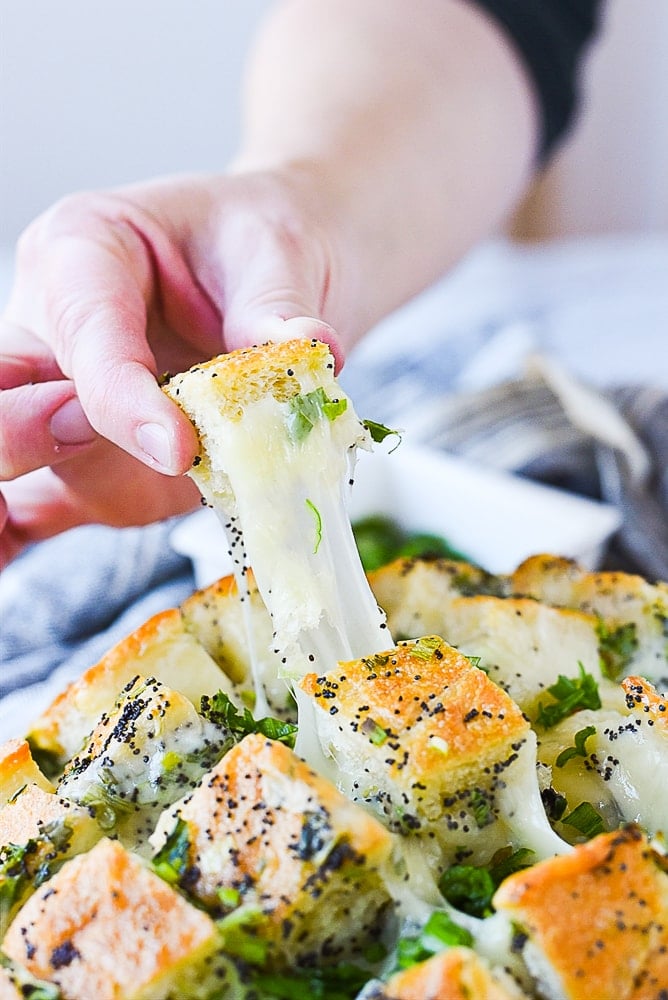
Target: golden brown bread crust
(17, 768)
(246, 375)
(423, 716)
(86, 929)
(161, 648)
(454, 974)
(599, 916)
(212, 615)
(640, 694)
(265, 824)
(617, 599)
(27, 815)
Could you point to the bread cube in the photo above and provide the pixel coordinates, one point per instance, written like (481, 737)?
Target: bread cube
(523, 645)
(265, 833)
(141, 756)
(415, 593)
(105, 927)
(162, 647)
(18, 768)
(596, 920)
(426, 736)
(455, 974)
(632, 613)
(278, 407)
(39, 831)
(221, 619)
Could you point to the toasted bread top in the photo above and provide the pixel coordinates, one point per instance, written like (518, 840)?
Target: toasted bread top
(455, 974)
(249, 823)
(243, 376)
(161, 647)
(86, 928)
(643, 696)
(17, 768)
(423, 709)
(598, 915)
(29, 813)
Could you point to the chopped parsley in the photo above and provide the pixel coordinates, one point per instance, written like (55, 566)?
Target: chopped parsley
(306, 409)
(379, 432)
(616, 648)
(332, 982)
(377, 734)
(222, 711)
(16, 875)
(470, 888)
(579, 749)
(24, 867)
(571, 694)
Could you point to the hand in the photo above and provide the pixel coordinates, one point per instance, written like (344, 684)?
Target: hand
(113, 289)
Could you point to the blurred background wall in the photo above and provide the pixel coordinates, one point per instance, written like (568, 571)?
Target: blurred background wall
(100, 93)
(612, 174)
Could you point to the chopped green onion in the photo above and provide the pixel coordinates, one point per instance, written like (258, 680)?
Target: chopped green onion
(239, 931)
(506, 862)
(171, 861)
(376, 733)
(585, 820)
(229, 896)
(439, 932)
(426, 646)
(579, 749)
(481, 809)
(318, 523)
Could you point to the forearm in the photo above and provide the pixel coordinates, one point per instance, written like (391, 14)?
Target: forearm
(416, 123)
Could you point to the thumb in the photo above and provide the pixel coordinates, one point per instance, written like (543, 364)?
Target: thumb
(277, 294)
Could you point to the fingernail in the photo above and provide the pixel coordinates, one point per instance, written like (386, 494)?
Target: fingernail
(154, 441)
(69, 424)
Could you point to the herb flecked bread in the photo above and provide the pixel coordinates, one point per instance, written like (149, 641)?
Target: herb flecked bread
(462, 796)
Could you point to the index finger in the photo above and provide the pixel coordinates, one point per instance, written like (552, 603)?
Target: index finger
(96, 288)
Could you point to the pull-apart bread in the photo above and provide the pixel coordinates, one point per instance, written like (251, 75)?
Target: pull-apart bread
(280, 790)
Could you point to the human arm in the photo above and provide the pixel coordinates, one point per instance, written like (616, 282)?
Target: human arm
(381, 141)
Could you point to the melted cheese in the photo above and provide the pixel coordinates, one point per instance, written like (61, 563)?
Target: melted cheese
(281, 494)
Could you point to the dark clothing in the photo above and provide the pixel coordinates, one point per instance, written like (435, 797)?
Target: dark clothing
(551, 36)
